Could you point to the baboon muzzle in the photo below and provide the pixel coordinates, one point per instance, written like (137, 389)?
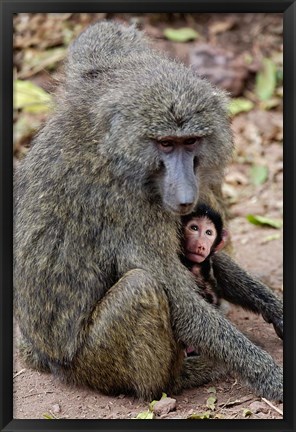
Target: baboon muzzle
(180, 183)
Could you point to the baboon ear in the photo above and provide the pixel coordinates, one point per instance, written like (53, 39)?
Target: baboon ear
(92, 74)
(224, 236)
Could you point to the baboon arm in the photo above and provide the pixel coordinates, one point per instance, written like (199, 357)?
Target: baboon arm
(239, 287)
(198, 324)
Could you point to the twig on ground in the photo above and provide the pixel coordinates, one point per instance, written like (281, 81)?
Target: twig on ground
(18, 373)
(272, 406)
(236, 402)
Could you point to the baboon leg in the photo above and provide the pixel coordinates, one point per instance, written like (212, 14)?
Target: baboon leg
(130, 347)
(196, 371)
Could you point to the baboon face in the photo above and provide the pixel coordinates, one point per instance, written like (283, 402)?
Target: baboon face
(200, 235)
(203, 233)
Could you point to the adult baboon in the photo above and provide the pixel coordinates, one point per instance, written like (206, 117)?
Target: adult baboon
(101, 296)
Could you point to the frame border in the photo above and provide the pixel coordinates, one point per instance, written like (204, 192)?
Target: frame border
(7, 9)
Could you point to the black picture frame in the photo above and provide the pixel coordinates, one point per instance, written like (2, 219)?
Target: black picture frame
(7, 9)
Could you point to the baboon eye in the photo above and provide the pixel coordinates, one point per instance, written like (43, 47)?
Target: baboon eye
(190, 141)
(166, 143)
(209, 232)
(165, 146)
(194, 227)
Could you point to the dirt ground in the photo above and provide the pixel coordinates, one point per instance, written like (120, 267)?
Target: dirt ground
(259, 249)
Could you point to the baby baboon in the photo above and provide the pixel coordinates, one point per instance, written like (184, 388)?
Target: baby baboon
(203, 235)
(101, 296)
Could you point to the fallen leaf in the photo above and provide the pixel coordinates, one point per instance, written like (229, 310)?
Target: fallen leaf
(200, 416)
(266, 80)
(258, 174)
(247, 412)
(212, 390)
(48, 416)
(262, 220)
(145, 415)
(183, 34)
(31, 98)
(239, 105)
(149, 414)
(270, 238)
(211, 402)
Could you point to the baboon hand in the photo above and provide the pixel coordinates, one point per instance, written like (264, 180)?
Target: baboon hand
(277, 323)
(278, 326)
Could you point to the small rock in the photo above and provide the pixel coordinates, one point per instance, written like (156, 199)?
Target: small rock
(56, 408)
(257, 407)
(164, 406)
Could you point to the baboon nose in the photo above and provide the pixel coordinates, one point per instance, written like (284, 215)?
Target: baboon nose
(186, 204)
(186, 207)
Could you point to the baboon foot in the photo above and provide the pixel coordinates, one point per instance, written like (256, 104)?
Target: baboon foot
(31, 358)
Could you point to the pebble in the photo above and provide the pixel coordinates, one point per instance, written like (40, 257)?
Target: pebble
(164, 406)
(56, 408)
